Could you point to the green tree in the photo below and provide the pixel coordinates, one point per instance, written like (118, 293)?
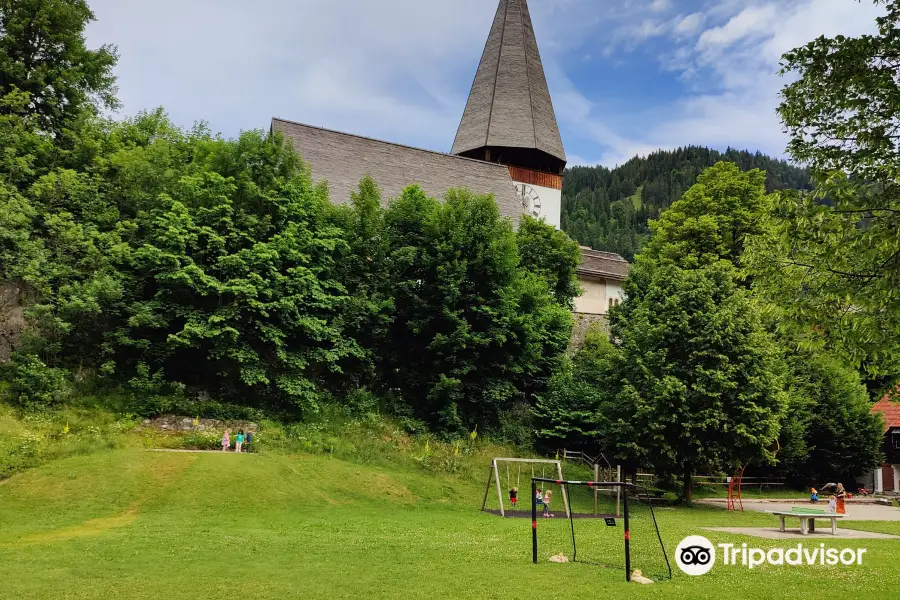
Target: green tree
(701, 381)
(44, 54)
(700, 375)
(832, 260)
(363, 271)
(472, 333)
(713, 220)
(230, 278)
(572, 411)
(830, 432)
(550, 253)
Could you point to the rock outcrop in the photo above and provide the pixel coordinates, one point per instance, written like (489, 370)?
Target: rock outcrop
(12, 317)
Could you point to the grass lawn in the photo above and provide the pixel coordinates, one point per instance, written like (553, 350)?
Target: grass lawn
(143, 525)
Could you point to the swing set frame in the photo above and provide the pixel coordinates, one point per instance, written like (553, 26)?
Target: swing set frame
(494, 476)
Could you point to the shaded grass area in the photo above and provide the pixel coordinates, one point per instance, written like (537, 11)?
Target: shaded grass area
(135, 524)
(31, 439)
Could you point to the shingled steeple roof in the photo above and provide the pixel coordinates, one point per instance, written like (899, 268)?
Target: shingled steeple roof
(509, 105)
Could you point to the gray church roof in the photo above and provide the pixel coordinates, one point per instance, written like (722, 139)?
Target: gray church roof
(343, 159)
(509, 105)
(606, 265)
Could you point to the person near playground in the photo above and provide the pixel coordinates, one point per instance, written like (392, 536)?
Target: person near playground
(840, 495)
(226, 440)
(547, 496)
(239, 441)
(248, 439)
(813, 495)
(539, 498)
(514, 496)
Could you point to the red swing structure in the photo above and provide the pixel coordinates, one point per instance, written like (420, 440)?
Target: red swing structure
(735, 499)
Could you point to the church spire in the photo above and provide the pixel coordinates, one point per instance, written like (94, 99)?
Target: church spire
(509, 117)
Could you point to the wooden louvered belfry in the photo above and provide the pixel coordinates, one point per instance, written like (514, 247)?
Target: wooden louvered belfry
(509, 117)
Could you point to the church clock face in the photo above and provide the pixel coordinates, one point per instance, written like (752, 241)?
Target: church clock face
(531, 202)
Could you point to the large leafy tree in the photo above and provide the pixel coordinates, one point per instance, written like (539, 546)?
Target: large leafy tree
(702, 388)
(43, 53)
(472, 333)
(701, 385)
(229, 278)
(550, 253)
(713, 220)
(58, 227)
(832, 260)
(829, 433)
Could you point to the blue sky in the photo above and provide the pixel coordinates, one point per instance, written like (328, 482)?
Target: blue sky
(627, 76)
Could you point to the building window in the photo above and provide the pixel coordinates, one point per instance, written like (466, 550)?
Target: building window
(611, 303)
(895, 440)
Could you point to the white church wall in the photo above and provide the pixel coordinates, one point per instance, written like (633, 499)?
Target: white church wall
(593, 300)
(614, 290)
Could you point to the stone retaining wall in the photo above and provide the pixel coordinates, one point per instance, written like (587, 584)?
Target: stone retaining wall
(174, 423)
(583, 323)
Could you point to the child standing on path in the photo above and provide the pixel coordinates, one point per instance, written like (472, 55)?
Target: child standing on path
(841, 495)
(547, 496)
(239, 441)
(248, 440)
(226, 440)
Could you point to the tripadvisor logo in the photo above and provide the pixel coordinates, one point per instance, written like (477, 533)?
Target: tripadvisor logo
(696, 555)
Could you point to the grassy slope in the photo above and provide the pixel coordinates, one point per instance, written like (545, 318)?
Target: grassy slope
(136, 524)
(637, 200)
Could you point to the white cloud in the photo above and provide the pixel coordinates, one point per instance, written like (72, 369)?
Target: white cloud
(689, 24)
(649, 28)
(752, 21)
(660, 5)
(386, 69)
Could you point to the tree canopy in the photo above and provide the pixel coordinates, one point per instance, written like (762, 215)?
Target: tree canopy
(831, 262)
(701, 383)
(43, 54)
(610, 209)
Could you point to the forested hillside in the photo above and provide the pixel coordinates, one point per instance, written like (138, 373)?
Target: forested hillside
(608, 209)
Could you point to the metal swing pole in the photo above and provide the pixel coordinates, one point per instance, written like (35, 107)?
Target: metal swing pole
(499, 493)
(627, 536)
(534, 553)
(572, 525)
(488, 488)
(565, 495)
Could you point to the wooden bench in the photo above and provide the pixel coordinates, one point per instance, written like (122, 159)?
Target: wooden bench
(808, 519)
